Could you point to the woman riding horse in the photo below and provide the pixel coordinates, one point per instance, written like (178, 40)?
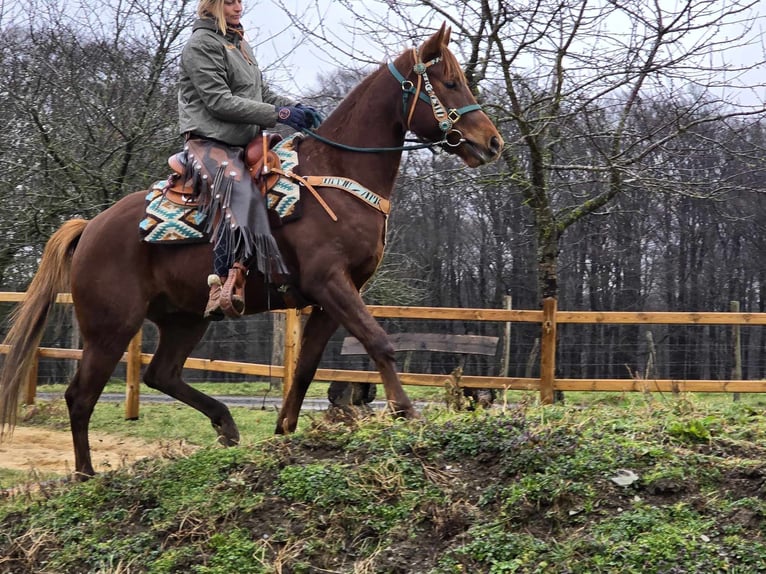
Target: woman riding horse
(422, 91)
(223, 103)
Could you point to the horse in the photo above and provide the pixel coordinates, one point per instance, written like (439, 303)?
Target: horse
(117, 281)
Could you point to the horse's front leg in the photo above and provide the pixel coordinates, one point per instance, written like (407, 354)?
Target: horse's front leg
(317, 331)
(179, 334)
(341, 301)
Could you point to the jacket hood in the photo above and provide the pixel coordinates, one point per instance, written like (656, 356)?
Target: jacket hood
(205, 24)
(232, 34)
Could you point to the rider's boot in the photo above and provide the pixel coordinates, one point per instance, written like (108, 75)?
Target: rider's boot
(213, 310)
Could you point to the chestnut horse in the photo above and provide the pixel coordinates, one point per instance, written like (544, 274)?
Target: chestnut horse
(117, 281)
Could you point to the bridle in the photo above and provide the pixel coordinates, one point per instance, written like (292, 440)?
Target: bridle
(411, 93)
(446, 118)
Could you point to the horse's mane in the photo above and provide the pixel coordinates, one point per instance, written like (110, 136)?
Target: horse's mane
(452, 70)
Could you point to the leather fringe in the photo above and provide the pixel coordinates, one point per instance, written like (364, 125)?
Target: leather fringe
(234, 210)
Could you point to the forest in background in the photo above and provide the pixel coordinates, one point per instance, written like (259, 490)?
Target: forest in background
(632, 178)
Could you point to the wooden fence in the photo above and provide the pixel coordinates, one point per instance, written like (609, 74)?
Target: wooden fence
(548, 318)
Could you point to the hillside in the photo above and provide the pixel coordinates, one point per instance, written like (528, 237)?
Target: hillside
(666, 486)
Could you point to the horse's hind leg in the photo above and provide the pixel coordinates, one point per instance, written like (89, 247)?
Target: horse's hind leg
(96, 366)
(179, 333)
(318, 330)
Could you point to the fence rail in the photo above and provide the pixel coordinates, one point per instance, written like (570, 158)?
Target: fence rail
(546, 384)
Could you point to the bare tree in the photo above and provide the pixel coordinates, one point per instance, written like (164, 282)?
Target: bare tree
(566, 78)
(90, 90)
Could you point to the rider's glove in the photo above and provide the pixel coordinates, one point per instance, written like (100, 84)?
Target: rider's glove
(313, 117)
(294, 117)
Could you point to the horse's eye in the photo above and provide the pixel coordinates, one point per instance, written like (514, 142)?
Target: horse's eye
(450, 84)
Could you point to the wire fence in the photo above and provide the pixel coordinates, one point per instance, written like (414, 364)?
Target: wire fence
(541, 350)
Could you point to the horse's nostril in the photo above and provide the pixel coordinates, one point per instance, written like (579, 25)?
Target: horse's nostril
(495, 145)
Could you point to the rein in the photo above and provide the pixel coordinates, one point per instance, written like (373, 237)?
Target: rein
(345, 147)
(446, 118)
(424, 91)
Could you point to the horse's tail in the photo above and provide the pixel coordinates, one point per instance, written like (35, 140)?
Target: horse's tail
(29, 318)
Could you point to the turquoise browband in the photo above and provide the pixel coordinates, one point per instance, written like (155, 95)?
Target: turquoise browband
(409, 90)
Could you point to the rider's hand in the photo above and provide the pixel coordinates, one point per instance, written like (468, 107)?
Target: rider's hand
(312, 115)
(295, 117)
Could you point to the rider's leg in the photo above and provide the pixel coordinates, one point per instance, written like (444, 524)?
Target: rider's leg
(221, 265)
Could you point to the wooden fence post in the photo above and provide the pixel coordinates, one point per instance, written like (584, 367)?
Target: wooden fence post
(133, 377)
(548, 351)
(277, 349)
(30, 389)
(736, 372)
(506, 358)
(293, 334)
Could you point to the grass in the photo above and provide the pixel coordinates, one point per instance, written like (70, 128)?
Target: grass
(161, 422)
(176, 421)
(318, 389)
(10, 477)
(520, 489)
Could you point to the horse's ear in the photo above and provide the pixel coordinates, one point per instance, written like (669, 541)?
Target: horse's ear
(432, 48)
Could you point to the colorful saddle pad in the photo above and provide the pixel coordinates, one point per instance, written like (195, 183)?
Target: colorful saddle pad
(283, 198)
(167, 220)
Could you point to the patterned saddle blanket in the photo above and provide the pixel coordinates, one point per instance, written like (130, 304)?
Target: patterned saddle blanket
(169, 220)
(283, 198)
(173, 217)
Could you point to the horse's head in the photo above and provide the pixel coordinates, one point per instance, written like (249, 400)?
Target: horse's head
(439, 106)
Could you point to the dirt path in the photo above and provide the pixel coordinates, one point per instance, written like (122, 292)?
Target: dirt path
(49, 451)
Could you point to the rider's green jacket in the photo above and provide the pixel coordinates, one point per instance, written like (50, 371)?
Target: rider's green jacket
(221, 92)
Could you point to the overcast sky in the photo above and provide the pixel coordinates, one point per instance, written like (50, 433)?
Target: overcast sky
(269, 29)
(294, 64)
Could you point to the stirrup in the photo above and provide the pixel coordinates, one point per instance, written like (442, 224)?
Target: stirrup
(233, 291)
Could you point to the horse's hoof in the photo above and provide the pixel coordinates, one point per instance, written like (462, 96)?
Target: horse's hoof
(79, 476)
(228, 434)
(403, 412)
(285, 427)
(413, 415)
(228, 441)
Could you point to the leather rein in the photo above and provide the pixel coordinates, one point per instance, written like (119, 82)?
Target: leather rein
(411, 93)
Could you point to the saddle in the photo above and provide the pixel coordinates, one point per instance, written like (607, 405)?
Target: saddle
(180, 195)
(226, 297)
(262, 163)
(272, 170)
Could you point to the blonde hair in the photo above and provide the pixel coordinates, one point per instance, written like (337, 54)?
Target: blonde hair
(214, 9)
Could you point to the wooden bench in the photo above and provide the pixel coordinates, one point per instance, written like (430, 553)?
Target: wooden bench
(348, 394)
(442, 343)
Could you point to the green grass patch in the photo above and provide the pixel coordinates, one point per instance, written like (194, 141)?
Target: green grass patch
(161, 422)
(241, 389)
(318, 389)
(11, 477)
(522, 489)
